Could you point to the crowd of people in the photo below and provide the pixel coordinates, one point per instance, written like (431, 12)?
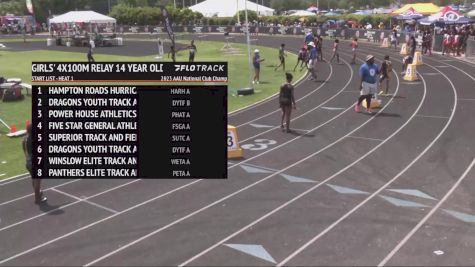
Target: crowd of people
(455, 39)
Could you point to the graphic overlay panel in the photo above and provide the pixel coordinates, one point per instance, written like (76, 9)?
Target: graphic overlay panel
(167, 130)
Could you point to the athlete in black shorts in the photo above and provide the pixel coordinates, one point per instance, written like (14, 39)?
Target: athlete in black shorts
(286, 101)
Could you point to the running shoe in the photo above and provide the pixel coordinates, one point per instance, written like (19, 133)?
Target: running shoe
(41, 199)
(369, 110)
(357, 108)
(381, 93)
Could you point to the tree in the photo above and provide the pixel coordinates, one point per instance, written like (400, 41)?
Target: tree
(12, 7)
(283, 5)
(251, 16)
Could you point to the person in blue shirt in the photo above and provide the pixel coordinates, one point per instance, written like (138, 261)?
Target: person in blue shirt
(312, 61)
(369, 77)
(309, 38)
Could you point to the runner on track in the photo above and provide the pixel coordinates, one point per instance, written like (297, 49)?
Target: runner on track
(286, 101)
(335, 52)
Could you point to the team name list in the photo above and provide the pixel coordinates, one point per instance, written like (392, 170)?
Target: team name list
(129, 131)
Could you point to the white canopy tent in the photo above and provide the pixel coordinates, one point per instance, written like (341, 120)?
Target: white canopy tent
(82, 16)
(229, 8)
(303, 13)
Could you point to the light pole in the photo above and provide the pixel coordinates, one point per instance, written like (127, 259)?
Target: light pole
(248, 45)
(238, 13)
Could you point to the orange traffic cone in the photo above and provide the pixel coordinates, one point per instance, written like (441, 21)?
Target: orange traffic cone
(27, 123)
(12, 128)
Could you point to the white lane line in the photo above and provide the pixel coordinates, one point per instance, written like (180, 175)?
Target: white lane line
(466, 99)
(305, 192)
(311, 130)
(334, 224)
(275, 127)
(433, 117)
(230, 195)
(298, 100)
(64, 206)
(14, 179)
(427, 217)
(260, 167)
(86, 201)
(46, 189)
(94, 223)
(366, 138)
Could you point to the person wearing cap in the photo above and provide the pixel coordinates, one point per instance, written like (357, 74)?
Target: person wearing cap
(256, 61)
(369, 72)
(312, 61)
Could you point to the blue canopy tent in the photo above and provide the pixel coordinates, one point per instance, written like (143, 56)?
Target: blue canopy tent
(446, 16)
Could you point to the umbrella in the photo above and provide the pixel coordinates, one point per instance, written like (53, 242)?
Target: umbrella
(410, 14)
(471, 13)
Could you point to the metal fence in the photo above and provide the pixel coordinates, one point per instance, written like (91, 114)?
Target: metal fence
(370, 35)
(470, 52)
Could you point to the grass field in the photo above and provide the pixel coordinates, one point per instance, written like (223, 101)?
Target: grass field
(18, 64)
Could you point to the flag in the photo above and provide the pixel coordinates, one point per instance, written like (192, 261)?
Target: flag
(29, 6)
(168, 24)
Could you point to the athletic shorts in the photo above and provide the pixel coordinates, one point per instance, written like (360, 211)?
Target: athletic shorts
(369, 88)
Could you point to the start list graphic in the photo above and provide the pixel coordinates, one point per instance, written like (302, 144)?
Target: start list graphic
(156, 131)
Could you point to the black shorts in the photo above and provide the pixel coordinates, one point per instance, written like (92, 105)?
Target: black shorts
(285, 105)
(282, 59)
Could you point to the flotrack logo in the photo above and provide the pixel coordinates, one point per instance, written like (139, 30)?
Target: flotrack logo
(211, 67)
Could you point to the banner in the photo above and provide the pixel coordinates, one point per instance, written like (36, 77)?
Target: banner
(29, 6)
